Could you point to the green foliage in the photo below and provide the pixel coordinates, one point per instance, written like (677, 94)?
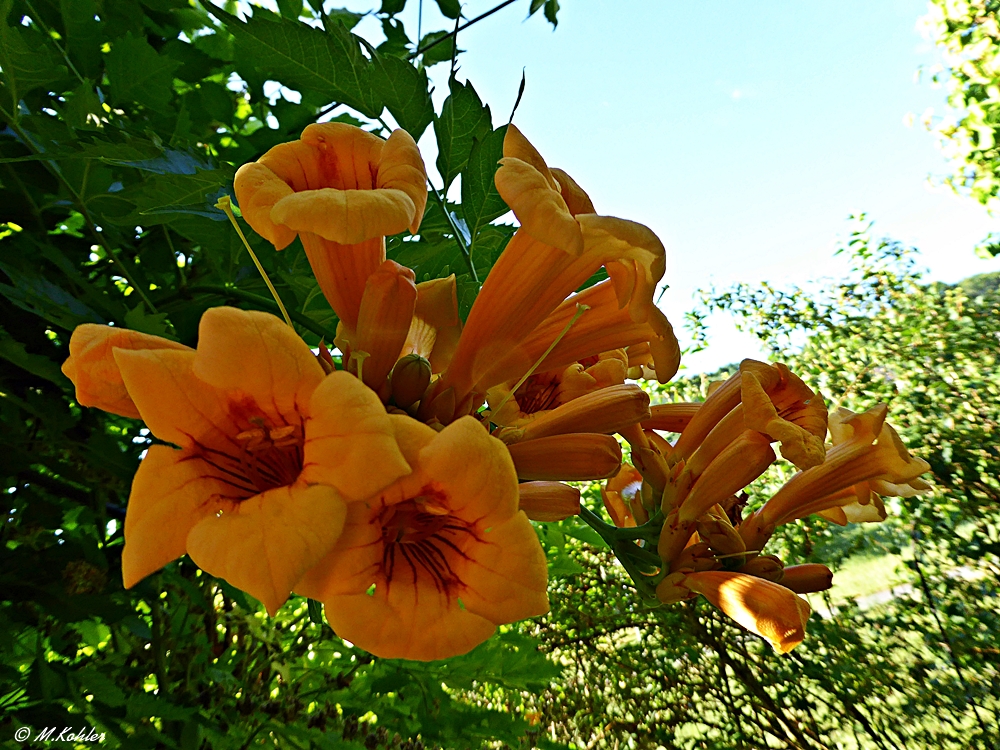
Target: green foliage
(967, 35)
(119, 137)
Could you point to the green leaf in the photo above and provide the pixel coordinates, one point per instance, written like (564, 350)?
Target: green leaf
(158, 199)
(481, 203)
(535, 6)
(83, 108)
(464, 119)
(304, 58)
(450, 8)
(38, 295)
(83, 35)
(155, 324)
(551, 8)
(442, 52)
(404, 90)
(136, 73)
(392, 7)
(291, 9)
(28, 61)
(397, 43)
(347, 18)
(13, 351)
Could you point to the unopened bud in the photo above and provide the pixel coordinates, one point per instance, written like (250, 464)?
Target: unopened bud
(410, 378)
(808, 578)
(721, 537)
(768, 567)
(325, 359)
(549, 501)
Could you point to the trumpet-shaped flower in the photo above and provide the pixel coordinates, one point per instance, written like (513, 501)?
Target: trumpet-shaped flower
(768, 609)
(867, 452)
(269, 451)
(341, 190)
(429, 566)
(543, 391)
(559, 245)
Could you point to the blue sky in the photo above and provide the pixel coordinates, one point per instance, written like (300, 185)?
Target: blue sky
(743, 134)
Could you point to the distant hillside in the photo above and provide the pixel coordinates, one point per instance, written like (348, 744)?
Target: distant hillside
(981, 284)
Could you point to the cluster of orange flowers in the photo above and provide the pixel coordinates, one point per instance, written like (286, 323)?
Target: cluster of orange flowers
(398, 489)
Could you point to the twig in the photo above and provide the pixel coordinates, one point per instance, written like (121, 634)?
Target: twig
(450, 34)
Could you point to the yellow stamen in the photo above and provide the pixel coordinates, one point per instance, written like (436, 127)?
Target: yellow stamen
(580, 310)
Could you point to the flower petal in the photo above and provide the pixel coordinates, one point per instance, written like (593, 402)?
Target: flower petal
(257, 190)
(269, 541)
(347, 434)
(346, 216)
(762, 607)
(92, 368)
(402, 168)
(474, 470)
(170, 494)
(257, 354)
(507, 577)
(407, 624)
(176, 406)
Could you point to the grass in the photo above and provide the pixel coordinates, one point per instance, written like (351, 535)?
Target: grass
(867, 574)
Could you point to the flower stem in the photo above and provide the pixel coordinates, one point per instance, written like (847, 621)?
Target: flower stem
(459, 237)
(225, 204)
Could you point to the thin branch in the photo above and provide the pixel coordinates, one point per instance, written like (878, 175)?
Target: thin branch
(450, 34)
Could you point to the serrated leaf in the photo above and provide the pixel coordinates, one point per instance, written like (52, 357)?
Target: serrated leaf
(83, 35)
(450, 8)
(347, 18)
(397, 43)
(291, 9)
(305, 58)
(136, 73)
(158, 197)
(464, 119)
(83, 107)
(32, 292)
(404, 90)
(481, 202)
(28, 62)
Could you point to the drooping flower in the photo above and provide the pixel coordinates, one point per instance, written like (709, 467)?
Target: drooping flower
(868, 459)
(269, 450)
(763, 607)
(429, 566)
(341, 190)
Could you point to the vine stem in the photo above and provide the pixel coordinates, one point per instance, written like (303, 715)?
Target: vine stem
(450, 34)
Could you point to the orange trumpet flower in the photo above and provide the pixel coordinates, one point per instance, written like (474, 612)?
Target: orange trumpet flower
(428, 567)
(341, 190)
(270, 449)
